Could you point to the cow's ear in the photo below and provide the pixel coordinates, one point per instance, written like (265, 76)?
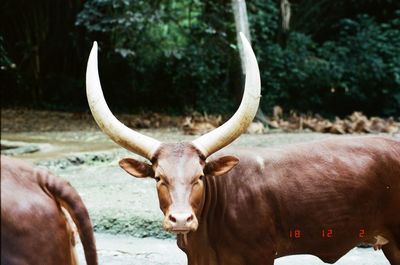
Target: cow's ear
(136, 168)
(220, 165)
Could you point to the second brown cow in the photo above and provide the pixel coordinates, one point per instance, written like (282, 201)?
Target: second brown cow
(34, 225)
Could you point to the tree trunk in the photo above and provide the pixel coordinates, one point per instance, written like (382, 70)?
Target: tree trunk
(242, 25)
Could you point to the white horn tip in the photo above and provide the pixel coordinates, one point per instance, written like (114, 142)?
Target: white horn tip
(93, 54)
(94, 49)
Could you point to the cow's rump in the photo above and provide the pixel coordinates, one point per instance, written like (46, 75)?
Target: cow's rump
(34, 226)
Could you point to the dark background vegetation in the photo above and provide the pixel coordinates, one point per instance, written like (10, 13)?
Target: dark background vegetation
(179, 56)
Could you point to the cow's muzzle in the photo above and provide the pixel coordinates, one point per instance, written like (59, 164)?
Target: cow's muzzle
(180, 223)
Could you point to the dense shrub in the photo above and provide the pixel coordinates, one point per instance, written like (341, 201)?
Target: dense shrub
(357, 70)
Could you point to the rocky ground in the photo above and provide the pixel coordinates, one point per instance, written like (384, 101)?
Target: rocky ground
(124, 210)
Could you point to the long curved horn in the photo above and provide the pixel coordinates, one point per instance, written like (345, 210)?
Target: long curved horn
(118, 132)
(238, 123)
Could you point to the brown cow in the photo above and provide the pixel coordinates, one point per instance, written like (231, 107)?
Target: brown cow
(34, 225)
(321, 198)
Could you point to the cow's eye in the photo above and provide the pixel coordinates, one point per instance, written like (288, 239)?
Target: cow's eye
(157, 179)
(201, 177)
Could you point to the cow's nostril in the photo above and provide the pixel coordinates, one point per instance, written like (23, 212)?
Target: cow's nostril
(172, 219)
(190, 218)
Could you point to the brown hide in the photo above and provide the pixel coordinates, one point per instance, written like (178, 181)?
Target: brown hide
(34, 229)
(345, 185)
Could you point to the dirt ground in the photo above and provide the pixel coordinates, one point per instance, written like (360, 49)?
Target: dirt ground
(124, 210)
(126, 250)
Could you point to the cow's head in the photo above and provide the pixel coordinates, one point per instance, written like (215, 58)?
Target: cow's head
(179, 169)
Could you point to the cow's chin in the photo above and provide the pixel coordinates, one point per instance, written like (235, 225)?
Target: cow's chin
(181, 232)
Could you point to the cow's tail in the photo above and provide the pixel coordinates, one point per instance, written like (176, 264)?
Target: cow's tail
(69, 198)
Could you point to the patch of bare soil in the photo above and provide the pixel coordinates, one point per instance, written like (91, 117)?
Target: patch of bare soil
(125, 250)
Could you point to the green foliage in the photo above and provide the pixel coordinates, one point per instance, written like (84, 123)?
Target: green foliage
(367, 61)
(175, 51)
(174, 56)
(359, 70)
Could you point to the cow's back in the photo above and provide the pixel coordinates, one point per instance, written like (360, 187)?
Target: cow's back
(33, 228)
